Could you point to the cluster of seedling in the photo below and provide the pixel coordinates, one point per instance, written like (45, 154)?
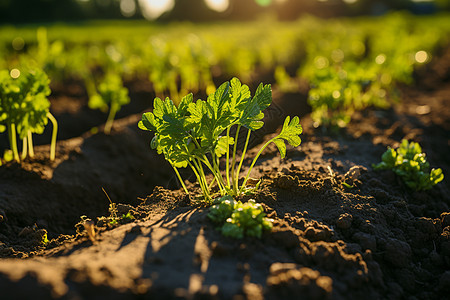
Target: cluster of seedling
(24, 111)
(111, 95)
(410, 163)
(196, 134)
(338, 91)
(236, 219)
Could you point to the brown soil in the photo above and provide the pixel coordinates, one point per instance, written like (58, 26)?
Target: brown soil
(376, 240)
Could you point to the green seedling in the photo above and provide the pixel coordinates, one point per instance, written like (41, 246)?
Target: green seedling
(112, 95)
(24, 110)
(236, 219)
(410, 163)
(336, 93)
(197, 134)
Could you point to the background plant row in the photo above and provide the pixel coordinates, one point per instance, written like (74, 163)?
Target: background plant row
(349, 63)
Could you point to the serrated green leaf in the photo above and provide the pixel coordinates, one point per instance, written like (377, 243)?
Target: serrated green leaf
(218, 99)
(263, 96)
(240, 94)
(281, 147)
(158, 108)
(197, 111)
(222, 145)
(148, 122)
(184, 105)
(291, 131)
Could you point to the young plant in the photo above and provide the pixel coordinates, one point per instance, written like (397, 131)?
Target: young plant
(237, 219)
(197, 134)
(24, 110)
(411, 165)
(111, 95)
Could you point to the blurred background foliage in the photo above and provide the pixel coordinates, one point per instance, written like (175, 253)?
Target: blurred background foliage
(28, 11)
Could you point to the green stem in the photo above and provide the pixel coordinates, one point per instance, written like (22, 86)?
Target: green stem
(24, 148)
(212, 182)
(180, 179)
(200, 181)
(205, 160)
(254, 161)
(90, 85)
(214, 172)
(202, 173)
(238, 171)
(13, 140)
(54, 134)
(215, 160)
(109, 122)
(233, 162)
(202, 176)
(228, 158)
(30, 144)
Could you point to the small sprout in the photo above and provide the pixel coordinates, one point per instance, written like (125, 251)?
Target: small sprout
(24, 110)
(236, 219)
(411, 165)
(128, 217)
(111, 95)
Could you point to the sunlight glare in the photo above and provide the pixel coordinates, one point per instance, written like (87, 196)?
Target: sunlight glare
(127, 7)
(421, 56)
(218, 5)
(380, 59)
(15, 73)
(152, 9)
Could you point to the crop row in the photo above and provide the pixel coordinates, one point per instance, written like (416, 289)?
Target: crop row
(350, 63)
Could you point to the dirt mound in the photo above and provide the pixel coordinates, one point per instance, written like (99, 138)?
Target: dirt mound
(341, 229)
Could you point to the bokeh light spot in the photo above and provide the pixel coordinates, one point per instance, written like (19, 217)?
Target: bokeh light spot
(321, 62)
(218, 5)
(337, 55)
(15, 73)
(380, 59)
(336, 94)
(18, 43)
(127, 7)
(152, 9)
(421, 56)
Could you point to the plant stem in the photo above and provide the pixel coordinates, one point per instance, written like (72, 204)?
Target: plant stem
(13, 140)
(228, 158)
(212, 182)
(215, 160)
(180, 179)
(202, 173)
(54, 134)
(90, 85)
(233, 162)
(24, 148)
(254, 161)
(202, 176)
(238, 171)
(30, 144)
(213, 171)
(200, 181)
(110, 120)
